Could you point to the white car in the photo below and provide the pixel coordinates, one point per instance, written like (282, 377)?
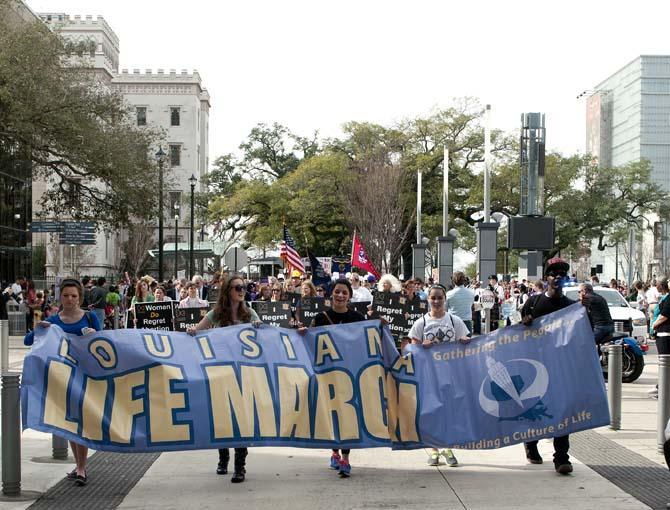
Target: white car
(620, 310)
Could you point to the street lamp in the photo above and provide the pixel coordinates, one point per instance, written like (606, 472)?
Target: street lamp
(192, 180)
(160, 155)
(176, 239)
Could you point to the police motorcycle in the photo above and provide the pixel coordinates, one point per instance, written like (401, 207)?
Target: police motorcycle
(632, 357)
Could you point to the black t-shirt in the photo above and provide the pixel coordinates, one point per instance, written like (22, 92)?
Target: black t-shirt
(665, 312)
(598, 310)
(337, 318)
(540, 305)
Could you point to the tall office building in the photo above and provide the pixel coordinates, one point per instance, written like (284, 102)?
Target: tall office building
(628, 119)
(175, 102)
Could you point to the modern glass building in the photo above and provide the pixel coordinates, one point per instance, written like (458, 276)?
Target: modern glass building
(15, 214)
(628, 119)
(628, 116)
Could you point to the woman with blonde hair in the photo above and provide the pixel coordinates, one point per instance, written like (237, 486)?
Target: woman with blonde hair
(389, 283)
(307, 289)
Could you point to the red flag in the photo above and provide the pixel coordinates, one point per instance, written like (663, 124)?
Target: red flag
(360, 259)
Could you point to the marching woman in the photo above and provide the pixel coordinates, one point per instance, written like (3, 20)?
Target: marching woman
(75, 321)
(435, 327)
(230, 309)
(339, 313)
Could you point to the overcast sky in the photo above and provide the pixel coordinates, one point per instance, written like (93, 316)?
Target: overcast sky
(317, 64)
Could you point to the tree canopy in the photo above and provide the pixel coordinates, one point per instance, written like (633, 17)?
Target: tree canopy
(76, 131)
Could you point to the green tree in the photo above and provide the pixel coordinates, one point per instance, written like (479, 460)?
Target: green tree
(272, 152)
(76, 132)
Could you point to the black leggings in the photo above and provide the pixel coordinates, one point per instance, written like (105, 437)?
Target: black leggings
(344, 451)
(240, 457)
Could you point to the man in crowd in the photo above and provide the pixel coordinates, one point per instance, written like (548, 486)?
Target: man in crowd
(598, 311)
(499, 298)
(200, 284)
(551, 300)
(360, 293)
(460, 300)
(99, 299)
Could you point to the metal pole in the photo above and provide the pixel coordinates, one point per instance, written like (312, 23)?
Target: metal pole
(160, 221)
(487, 321)
(176, 238)
(631, 248)
(616, 262)
(445, 193)
(663, 414)
(11, 435)
(487, 164)
(614, 366)
(4, 345)
(72, 257)
(59, 448)
(418, 209)
(190, 253)
(116, 317)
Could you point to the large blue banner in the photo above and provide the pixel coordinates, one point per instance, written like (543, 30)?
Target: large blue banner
(336, 386)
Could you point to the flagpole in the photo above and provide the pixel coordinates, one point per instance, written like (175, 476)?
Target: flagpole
(353, 243)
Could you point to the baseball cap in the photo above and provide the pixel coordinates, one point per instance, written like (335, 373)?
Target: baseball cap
(556, 265)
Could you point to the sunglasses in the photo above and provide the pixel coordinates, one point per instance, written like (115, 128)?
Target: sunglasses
(238, 288)
(276, 290)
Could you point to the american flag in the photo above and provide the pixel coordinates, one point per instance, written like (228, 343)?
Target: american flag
(288, 253)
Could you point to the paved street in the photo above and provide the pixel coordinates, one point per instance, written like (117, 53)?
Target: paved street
(613, 470)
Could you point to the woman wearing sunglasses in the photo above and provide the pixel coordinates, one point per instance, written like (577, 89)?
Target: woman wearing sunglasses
(438, 326)
(75, 321)
(230, 309)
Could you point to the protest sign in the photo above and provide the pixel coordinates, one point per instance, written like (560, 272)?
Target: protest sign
(155, 315)
(310, 308)
(185, 317)
(361, 307)
(388, 306)
(274, 313)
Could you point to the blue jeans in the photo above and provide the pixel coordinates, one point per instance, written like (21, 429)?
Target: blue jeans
(469, 326)
(100, 314)
(602, 332)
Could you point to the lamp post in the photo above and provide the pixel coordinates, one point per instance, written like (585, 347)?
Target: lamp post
(445, 242)
(160, 155)
(418, 249)
(487, 230)
(202, 240)
(176, 239)
(192, 180)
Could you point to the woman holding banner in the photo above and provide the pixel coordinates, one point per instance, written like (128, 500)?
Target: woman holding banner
(231, 309)
(435, 327)
(338, 313)
(75, 321)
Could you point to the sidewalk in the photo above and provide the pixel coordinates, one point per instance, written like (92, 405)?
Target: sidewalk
(292, 478)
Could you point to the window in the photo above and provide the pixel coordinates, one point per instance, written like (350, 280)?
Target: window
(174, 116)
(175, 155)
(141, 115)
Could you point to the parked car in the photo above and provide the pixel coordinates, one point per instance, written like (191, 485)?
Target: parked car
(620, 310)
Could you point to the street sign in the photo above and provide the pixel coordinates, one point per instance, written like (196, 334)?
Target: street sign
(78, 232)
(235, 259)
(487, 299)
(39, 227)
